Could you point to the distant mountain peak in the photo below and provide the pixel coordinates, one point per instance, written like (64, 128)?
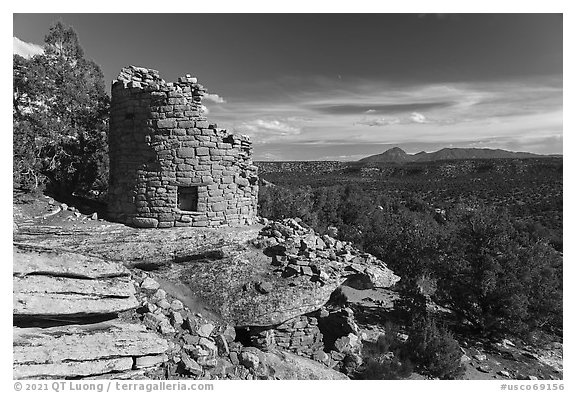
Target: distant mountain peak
(396, 154)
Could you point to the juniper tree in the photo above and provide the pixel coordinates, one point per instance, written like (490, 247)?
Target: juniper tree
(60, 114)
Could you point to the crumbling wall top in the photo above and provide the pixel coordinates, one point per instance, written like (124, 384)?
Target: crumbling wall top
(149, 79)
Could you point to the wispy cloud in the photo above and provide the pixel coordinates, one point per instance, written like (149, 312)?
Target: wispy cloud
(414, 117)
(214, 98)
(379, 122)
(268, 129)
(372, 112)
(25, 49)
(376, 108)
(417, 117)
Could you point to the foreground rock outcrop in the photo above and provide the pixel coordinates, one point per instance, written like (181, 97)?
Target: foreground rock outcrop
(204, 346)
(82, 350)
(291, 272)
(57, 296)
(63, 284)
(202, 303)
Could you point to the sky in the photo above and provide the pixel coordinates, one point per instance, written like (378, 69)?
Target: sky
(345, 86)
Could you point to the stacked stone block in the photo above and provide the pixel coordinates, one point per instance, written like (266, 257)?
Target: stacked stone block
(299, 335)
(168, 165)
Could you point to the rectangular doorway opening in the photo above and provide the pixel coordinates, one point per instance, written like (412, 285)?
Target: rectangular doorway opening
(188, 198)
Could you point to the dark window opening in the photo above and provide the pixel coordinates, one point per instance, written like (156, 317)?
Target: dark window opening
(188, 198)
(129, 116)
(159, 101)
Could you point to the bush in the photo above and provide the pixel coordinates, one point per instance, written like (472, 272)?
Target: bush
(389, 341)
(433, 349)
(499, 279)
(384, 367)
(383, 360)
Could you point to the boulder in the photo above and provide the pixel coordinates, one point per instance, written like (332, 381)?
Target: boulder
(249, 360)
(464, 359)
(484, 368)
(149, 284)
(208, 345)
(507, 343)
(348, 344)
(190, 365)
(264, 287)
(176, 305)
(229, 334)
(222, 344)
(205, 330)
(380, 276)
(159, 295)
(321, 356)
(176, 319)
(154, 321)
(166, 328)
(480, 357)
(163, 304)
(226, 286)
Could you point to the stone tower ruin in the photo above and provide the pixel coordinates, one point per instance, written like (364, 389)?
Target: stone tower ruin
(168, 165)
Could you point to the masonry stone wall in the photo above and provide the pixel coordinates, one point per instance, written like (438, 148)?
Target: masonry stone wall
(328, 335)
(168, 165)
(299, 335)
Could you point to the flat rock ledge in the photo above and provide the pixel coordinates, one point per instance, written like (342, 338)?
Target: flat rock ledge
(49, 283)
(134, 247)
(83, 350)
(52, 287)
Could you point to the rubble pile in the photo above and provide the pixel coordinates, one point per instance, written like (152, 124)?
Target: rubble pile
(298, 251)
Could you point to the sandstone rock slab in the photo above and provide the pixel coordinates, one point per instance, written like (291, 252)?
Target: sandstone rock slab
(78, 350)
(133, 246)
(76, 369)
(56, 304)
(45, 261)
(41, 296)
(116, 287)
